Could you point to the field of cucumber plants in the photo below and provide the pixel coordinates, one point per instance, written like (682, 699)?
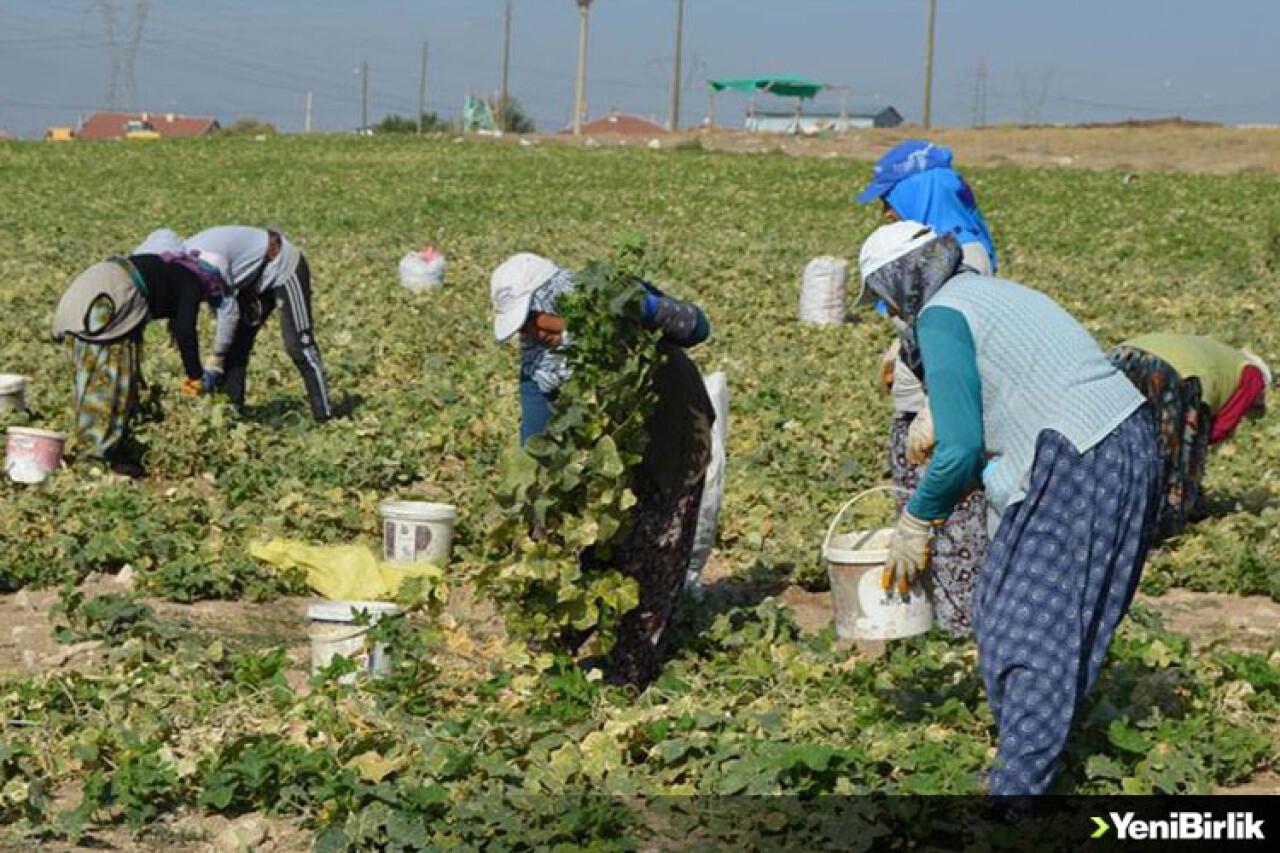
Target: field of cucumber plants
(136, 722)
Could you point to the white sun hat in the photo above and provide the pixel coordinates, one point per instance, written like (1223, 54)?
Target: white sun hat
(512, 287)
(890, 242)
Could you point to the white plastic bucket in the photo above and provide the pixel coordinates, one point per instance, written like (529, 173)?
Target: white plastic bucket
(417, 532)
(863, 610)
(13, 392)
(32, 454)
(334, 632)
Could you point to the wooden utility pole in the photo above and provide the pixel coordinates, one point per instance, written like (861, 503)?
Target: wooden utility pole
(504, 92)
(580, 99)
(364, 96)
(673, 115)
(928, 65)
(422, 88)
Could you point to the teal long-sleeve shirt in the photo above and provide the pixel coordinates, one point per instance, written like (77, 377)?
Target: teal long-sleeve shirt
(955, 401)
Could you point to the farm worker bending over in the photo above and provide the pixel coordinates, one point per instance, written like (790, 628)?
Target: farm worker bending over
(1199, 390)
(668, 481)
(104, 312)
(263, 268)
(1021, 394)
(914, 181)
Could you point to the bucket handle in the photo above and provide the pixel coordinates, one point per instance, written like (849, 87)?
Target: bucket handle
(831, 529)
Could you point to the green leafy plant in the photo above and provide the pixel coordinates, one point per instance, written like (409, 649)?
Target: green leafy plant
(567, 496)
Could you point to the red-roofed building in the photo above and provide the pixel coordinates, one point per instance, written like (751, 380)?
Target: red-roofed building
(624, 125)
(112, 125)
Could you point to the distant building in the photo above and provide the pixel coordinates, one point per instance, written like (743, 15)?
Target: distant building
(624, 125)
(106, 125)
(777, 121)
(60, 133)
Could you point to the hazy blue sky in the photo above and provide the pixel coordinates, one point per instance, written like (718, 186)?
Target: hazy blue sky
(1075, 60)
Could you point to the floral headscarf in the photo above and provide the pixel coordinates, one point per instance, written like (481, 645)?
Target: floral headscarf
(909, 282)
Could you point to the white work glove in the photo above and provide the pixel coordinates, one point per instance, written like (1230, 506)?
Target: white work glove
(920, 439)
(908, 553)
(884, 376)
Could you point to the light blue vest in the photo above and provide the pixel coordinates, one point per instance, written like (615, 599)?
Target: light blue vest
(1040, 369)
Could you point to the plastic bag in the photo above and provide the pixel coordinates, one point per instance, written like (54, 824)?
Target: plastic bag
(822, 293)
(422, 270)
(704, 536)
(343, 572)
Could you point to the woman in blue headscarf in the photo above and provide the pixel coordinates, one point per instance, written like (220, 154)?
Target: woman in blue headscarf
(915, 182)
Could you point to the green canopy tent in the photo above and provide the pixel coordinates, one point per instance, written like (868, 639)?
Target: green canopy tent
(800, 88)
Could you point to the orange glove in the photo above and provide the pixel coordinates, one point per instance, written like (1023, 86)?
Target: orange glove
(191, 387)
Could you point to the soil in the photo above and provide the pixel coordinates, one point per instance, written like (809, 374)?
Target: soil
(1133, 147)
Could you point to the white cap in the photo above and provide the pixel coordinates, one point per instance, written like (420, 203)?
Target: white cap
(890, 242)
(512, 287)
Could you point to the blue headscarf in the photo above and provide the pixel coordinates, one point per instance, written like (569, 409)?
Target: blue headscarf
(940, 198)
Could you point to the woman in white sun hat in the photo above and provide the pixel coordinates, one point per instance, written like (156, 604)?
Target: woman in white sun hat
(1022, 396)
(667, 483)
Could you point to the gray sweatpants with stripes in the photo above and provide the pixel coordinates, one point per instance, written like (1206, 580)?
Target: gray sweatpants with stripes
(293, 293)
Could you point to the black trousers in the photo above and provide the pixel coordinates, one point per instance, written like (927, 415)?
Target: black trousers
(294, 296)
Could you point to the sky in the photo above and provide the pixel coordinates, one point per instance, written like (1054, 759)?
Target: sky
(1065, 62)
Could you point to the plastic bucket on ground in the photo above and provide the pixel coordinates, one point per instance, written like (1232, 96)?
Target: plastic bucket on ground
(417, 532)
(13, 390)
(32, 454)
(334, 632)
(864, 611)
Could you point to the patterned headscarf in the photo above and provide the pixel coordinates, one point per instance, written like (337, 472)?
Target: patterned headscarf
(539, 362)
(909, 282)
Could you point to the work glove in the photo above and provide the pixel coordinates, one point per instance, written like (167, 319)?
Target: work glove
(884, 375)
(191, 387)
(908, 554)
(920, 439)
(212, 379)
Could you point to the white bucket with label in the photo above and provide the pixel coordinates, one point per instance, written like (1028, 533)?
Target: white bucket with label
(31, 455)
(334, 632)
(13, 389)
(863, 610)
(417, 532)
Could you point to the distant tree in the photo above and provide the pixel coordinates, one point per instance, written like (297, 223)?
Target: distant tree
(249, 126)
(513, 119)
(393, 123)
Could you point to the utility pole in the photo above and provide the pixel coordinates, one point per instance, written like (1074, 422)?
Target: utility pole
(422, 88)
(364, 96)
(928, 65)
(673, 116)
(980, 94)
(504, 92)
(306, 124)
(580, 99)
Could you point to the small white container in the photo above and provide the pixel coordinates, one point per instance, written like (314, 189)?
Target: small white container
(334, 632)
(863, 610)
(31, 455)
(13, 390)
(417, 532)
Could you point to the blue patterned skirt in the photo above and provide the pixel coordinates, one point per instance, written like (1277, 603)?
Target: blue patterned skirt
(1060, 574)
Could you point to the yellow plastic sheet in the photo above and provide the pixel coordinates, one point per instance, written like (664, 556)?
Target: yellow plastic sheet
(343, 572)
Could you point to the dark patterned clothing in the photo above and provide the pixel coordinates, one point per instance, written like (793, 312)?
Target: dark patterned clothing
(1060, 575)
(656, 554)
(959, 546)
(1183, 423)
